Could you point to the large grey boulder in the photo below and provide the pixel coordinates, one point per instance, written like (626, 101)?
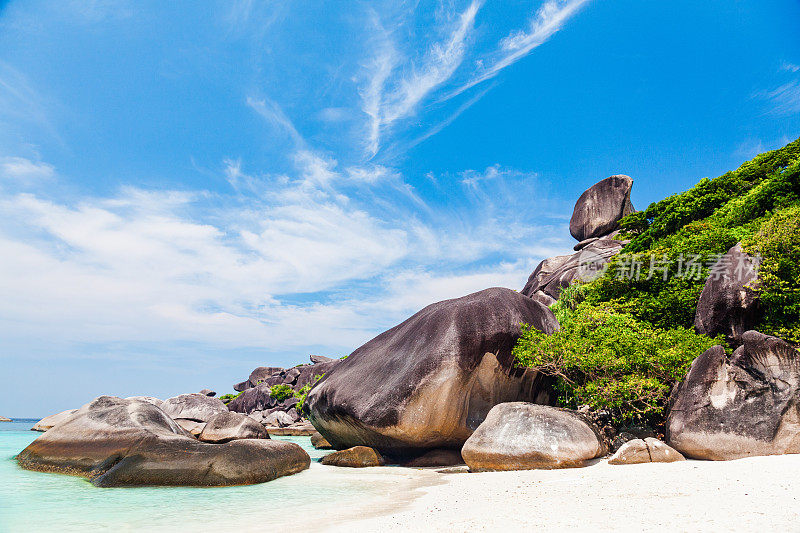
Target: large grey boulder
(254, 399)
(648, 450)
(739, 408)
(525, 436)
(558, 272)
(261, 374)
(49, 421)
(429, 382)
(279, 419)
(229, 426)
(316, 359)
(728, 304)
(150, 399)
(193, 406)
(600, 208)
(116, 442)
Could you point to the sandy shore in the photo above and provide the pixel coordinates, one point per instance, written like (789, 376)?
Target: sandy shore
(760, 493)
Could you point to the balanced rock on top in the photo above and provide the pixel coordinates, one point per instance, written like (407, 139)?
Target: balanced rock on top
(600, 208)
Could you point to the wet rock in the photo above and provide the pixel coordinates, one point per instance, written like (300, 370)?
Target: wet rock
(319, 442)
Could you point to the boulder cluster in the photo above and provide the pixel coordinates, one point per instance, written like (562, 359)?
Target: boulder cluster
(256, 400)
(118, 442)
(441, 389)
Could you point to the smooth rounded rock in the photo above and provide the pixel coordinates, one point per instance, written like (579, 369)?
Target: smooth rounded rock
(192, 427)
(744, 406)
(728, 304)
(600, 208)
(355, 457)
(116, 442)
(649, 450)
(49, 421)
(429, 382)
(525, 436)
(193, 406)
(319, 442)
(229, 426)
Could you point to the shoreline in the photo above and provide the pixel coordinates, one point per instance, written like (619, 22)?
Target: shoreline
(743, 494)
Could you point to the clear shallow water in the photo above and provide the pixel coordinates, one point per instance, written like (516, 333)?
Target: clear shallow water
(34, 501)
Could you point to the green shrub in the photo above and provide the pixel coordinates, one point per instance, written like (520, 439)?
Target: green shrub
(302, 394)
(611, 361)
(281, 392)
(778, 243)
(227, 398)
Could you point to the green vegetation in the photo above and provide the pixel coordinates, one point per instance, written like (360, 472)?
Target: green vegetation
(626, 339)
(281, 392)
(611, 361)
(302, 394)
(227, 398)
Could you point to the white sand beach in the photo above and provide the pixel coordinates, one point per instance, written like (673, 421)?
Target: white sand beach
(760, 493)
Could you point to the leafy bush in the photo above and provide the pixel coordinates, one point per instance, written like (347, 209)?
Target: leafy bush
(302, 394)
(281, 392)
(778, 243)
(611, 361)
(227, 398)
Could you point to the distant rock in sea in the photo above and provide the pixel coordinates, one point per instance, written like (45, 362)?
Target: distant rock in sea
(117, 442)
(4, 419)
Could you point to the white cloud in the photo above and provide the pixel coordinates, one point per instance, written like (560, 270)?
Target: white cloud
(385, 106)
(19, 168)
(549, 19)
(790, 67)
(291, 263)
(274, 115)
(784, 100)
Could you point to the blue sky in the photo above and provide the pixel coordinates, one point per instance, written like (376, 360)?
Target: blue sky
(189, 191)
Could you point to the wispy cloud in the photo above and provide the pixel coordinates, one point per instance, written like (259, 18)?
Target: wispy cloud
(20, 168)
(387, 105)
(549, 19)
(784, 100)
(174, 266)
(275, 116)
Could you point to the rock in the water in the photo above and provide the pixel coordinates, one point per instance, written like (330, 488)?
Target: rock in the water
(4, 419)
(728, 304)
(559, 272)
(355, 457)
(193, 406)
(647, 450)
(600, 208)
(116, 442)
(316, 359)
(739, 408)
(192, 427)
(208, 392)
(49, 421)
(429, 382)
(229, 426)
(279, 419)
(524, 436)
(319, 442)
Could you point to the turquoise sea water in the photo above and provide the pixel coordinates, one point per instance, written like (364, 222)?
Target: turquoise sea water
(34, 501)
